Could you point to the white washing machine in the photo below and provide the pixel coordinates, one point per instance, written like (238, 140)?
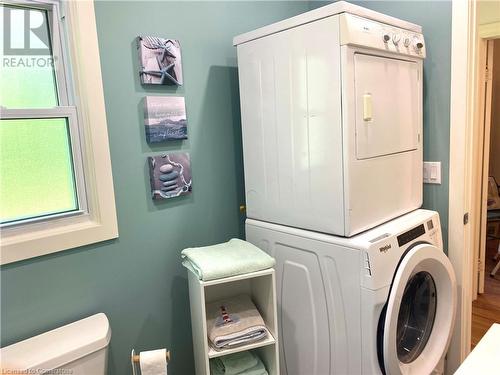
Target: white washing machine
(379, 302)
(331, 107)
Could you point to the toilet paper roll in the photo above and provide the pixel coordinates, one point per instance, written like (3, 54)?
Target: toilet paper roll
(153, 362)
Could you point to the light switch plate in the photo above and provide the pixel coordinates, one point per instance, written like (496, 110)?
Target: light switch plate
(432, 172)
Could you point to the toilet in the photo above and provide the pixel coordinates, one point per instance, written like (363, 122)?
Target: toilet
(78, 348)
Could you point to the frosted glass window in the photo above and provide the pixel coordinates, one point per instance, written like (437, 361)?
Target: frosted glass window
(36, 169)
(27, 81)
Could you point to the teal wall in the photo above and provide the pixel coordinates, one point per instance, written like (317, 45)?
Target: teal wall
(435, 19)
(137, 280)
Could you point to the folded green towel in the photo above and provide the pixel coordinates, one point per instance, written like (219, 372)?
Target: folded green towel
(231, 258)
(258, 369)
(234, 364)
(242, 363)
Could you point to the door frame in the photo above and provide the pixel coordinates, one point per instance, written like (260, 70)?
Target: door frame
(467, 41)
(480, 205)
(479, 185)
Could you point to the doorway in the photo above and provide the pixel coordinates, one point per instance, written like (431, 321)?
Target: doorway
(486, 283)
(473, 24)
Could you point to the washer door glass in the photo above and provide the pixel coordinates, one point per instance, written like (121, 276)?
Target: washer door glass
(416, 316)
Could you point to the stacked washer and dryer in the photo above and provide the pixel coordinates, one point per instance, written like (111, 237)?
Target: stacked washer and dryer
(331, 107)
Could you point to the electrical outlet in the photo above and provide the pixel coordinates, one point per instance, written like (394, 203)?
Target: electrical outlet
(432, 172)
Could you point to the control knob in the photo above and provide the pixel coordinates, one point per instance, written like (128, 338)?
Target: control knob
(396, 38)
(386, 38)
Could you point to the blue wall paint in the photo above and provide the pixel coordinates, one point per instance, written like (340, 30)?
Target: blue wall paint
(137, 280)
(435, 19)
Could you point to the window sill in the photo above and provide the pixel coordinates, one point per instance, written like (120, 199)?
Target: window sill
(59, 236)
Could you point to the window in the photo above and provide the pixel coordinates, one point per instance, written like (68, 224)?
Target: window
(36, 165)
(48, 142)
(39, 157)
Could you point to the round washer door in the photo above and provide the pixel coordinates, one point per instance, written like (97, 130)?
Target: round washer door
(420, 312)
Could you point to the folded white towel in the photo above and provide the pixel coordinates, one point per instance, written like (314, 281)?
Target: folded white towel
(234, 322)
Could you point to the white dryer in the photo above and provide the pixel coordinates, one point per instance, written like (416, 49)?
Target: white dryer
(380, 302)
(331, 108)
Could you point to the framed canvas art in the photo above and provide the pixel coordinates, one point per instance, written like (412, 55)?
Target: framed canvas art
(160, 61)
(165, 118)
(170, 175)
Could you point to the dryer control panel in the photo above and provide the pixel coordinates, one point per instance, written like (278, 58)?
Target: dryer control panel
(363, 32)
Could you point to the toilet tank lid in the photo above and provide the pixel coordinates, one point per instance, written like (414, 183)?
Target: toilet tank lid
(58, 347)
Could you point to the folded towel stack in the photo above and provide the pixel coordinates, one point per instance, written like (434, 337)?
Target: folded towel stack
(243, 363)
(231, 258)
(234, 322)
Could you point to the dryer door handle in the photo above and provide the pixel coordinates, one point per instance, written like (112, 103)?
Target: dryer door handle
(367, 107)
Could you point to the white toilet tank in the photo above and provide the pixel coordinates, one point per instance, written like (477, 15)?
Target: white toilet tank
(79, 348)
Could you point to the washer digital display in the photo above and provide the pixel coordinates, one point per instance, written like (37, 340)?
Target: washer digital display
(406, 237)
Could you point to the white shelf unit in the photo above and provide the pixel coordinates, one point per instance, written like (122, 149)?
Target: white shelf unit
(261, 287)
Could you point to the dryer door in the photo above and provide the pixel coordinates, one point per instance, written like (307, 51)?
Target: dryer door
(388, 105)
(420, 312)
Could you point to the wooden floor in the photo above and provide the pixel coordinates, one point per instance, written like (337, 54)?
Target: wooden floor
(486, 309)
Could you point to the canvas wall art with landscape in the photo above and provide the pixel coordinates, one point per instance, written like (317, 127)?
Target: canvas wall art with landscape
(165, 118)
(160, 61)
(170, 175)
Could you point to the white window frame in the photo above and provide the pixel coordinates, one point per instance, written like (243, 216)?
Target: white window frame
(95, 220)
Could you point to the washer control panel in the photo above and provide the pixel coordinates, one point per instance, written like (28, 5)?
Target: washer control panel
(411, 235)
(355, 30)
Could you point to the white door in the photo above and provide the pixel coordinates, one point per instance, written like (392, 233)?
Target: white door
(388, 100)
(420, 312)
